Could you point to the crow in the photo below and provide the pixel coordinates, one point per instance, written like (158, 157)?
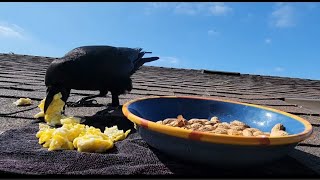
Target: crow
(96, 68)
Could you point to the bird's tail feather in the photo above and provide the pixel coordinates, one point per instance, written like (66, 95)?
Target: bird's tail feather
(140, 60)
(149, 59)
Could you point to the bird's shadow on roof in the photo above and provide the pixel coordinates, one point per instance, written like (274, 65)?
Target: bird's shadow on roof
(103, 119)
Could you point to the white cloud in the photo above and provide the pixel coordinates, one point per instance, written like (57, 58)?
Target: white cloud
(154, 6)
(159, 4)
(279, 69)
(212, 32)
(247, 18)
(219, 9)
(249, 15)
(310, 5)
(167, 61)
(192, 8)
(186, 8)
(269, 71)
(211, 8)
(283, 16)
(18, 40)
(278, 4)
(11, 31)
(268, 40)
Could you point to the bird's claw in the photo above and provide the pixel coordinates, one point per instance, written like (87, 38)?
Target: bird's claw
(111, 107)
(80, 103)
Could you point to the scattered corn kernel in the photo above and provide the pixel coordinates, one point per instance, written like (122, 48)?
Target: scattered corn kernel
(70, 120)
(92, 143)
(39, 115)
(53, 114)
(23, 102)
(115, 134)
(72, 134)
(60, 142)
(82, 137)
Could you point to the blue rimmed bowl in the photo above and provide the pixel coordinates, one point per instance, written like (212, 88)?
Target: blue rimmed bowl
(211, 148)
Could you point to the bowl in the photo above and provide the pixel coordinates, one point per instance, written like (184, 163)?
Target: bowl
(209, 148)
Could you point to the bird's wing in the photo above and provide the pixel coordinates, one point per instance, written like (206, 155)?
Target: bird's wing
(131, 54)
(75, 54)
(117, 61)
(134, 58)
(126, 59)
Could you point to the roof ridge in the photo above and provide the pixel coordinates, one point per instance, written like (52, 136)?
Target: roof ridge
(203, 71)
(24, 55)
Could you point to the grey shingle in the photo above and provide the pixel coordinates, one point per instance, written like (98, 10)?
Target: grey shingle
(23, 76)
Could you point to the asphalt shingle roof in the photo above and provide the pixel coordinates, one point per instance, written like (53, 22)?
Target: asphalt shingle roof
(23, 76)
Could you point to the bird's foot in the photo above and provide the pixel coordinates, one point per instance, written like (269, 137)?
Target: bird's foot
(111, 108)
(81, 103)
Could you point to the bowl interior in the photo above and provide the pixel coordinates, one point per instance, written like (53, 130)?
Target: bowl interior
(155, 109)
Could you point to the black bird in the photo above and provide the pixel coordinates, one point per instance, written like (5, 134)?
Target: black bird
(97, 68)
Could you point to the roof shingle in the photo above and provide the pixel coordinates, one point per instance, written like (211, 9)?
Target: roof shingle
(23, 76)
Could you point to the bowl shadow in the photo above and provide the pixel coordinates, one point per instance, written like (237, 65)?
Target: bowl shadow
(282, 168)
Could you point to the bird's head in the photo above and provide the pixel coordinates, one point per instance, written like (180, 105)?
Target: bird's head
(51, 91)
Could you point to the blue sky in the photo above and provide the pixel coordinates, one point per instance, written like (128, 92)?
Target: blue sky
(277, 39)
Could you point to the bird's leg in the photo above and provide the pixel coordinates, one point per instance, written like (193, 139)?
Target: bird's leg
(85, 100)
(115, 100)
(115, 104)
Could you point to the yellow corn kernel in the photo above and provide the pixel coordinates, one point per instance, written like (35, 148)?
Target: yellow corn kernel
(45, 136)
(39, 115)
(60, 142)
(53, 114)
(70, 120)
(115, 134)
(23, 102)
(90, 143)
(82, 137)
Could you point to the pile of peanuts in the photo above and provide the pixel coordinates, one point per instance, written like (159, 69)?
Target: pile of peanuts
(213, 125)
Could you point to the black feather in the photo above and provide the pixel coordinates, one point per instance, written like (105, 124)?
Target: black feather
(100, 68)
